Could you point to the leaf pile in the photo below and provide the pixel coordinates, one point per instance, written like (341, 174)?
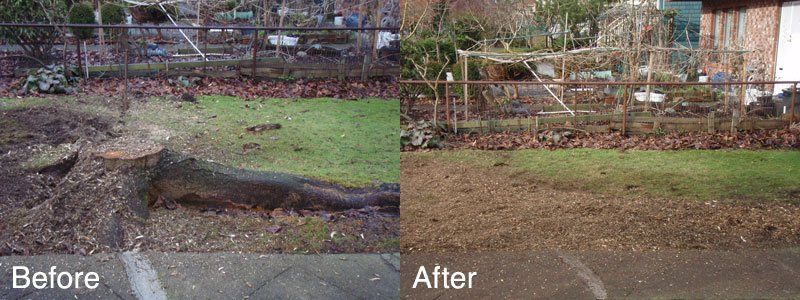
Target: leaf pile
(764, 139)
(244, 88)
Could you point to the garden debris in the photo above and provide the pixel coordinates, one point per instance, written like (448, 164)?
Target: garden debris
(263, 127)
(274, 229)
(188, 97)
(250, 147)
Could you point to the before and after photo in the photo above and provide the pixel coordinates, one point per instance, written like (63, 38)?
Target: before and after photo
(248, 149)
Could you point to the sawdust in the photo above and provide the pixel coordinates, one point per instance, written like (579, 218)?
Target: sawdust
(448, 207)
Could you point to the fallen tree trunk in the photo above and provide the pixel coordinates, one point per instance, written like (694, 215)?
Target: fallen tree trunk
(192, 181)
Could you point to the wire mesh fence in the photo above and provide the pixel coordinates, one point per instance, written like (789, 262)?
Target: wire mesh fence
(226, 51)
(601, 106)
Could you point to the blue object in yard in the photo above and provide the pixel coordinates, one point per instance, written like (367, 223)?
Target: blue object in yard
(154, 50)
(720, 77)
(352, 21)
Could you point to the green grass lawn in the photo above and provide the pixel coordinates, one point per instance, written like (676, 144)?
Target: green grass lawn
(696, 174)
(352, 143)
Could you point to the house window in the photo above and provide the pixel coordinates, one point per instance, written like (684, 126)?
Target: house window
(730, 28)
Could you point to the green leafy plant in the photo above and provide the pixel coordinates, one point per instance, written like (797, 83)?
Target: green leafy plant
(112, 13)
(51, 79)
(184, 81)
(35, 42)
(82, 13)
(420, 135)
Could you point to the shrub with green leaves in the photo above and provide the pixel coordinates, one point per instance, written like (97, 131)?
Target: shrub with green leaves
(112, 13)
(82, 13)
(35, 42)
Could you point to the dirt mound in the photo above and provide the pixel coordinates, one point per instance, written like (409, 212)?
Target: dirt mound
(22, 129)
(451, 207)
(47, 125)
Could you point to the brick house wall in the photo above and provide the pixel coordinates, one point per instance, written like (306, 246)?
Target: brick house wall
(761, 31)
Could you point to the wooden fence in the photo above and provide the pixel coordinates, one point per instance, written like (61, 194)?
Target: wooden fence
(638, 123)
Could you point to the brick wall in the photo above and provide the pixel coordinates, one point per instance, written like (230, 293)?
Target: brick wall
(763, 17)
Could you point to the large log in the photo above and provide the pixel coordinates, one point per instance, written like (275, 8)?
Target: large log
(191, 181)
(175, 177)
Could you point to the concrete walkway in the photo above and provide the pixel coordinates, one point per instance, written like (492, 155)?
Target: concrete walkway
(613, 275)
(543, 274)
(152, 275)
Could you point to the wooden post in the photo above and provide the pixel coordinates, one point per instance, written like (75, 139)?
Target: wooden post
(125, 100)
(377, 22)
(625, 111)
(360, 30)
(649, 78)
(255, 51)
(282, 12)
(364, 72)
(711, 123)
(743, 88)
(791, 106)
(80, 59)
(575, 109)
(447, 103)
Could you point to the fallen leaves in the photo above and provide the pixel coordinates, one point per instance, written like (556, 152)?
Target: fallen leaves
(244, 88)
(763, 139)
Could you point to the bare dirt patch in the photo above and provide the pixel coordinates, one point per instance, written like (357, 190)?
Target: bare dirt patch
(450, 207)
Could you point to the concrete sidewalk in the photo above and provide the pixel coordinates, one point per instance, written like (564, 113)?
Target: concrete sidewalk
(153, 275)
(613, 275)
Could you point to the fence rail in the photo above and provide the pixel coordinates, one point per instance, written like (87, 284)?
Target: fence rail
(248, 51)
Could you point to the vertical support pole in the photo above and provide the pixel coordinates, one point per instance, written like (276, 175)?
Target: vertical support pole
(64, 58)
(360, 27)
(625, 111)
(377, 21)
(466, 88)
(575, 109)
(648, 88)
(743, 92)
(364, 71)
(125, 100)
(447, 103)
(255, 51)
(80, 59)
(564, 57)
(280, 24)
(792, 106)
(712, 123)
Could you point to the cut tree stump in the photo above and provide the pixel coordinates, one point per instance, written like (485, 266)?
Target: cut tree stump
(190, 181)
